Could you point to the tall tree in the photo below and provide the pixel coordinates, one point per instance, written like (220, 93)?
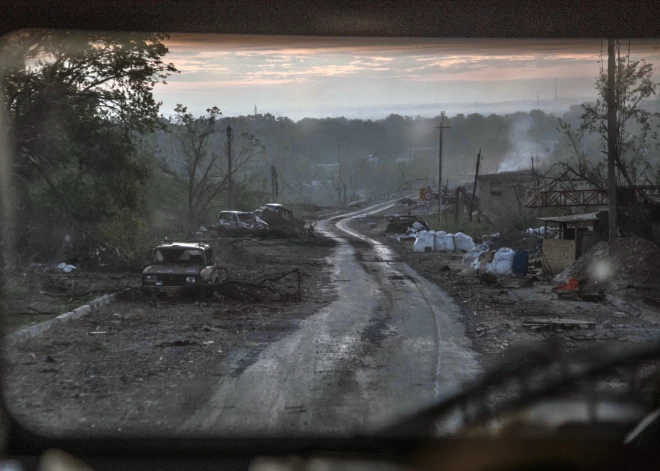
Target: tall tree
(636, 134)
(204, 170)
(74, 102)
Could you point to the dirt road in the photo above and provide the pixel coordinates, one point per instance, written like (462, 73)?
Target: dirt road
(388, 344)
(370, 341)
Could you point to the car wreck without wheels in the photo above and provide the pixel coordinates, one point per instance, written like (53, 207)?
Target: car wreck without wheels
(280, 218)
(239, 222)
(175, 265)
(400, 223)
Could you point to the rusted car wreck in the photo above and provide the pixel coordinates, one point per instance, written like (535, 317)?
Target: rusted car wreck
(174, 265)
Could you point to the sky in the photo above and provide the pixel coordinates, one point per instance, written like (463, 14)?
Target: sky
(371, 77)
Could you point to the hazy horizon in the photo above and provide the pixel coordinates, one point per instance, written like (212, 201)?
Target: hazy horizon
(370, 78)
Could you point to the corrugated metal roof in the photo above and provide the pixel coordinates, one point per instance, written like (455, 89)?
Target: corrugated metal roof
(572, 218)
(183, 245)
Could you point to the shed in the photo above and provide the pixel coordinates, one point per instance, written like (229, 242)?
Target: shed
(575, 238)
(501, 194)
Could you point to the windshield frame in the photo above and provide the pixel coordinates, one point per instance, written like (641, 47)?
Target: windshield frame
(179, 261)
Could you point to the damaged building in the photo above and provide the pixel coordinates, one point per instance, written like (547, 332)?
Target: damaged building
(504, 192)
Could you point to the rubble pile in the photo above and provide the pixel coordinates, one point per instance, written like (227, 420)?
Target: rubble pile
(627, 262)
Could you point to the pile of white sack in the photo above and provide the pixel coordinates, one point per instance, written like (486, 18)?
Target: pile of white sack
(474, 253)
(441, 240)
(502, 262)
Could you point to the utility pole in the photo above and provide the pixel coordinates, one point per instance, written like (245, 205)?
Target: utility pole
(555, 88)
(440, 128)
(611, 141)
(273, 183)
(474, 187)
(229, 175)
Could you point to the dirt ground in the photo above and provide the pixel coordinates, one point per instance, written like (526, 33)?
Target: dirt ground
(46, 291)
(154, 355)
(494, 316)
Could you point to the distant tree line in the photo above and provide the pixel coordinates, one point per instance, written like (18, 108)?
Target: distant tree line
(99, 169)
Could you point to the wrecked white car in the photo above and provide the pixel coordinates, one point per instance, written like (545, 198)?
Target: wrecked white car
(239, 221)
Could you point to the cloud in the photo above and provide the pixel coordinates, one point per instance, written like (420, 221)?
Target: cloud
(384, 48)
(319, 70)
(377, 58)
(263, 61)
(175, 87)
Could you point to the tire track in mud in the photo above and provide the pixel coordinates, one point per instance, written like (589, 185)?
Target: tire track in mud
(382, 254)
(397, 275)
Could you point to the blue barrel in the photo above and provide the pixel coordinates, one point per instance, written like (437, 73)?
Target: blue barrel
(520, 262)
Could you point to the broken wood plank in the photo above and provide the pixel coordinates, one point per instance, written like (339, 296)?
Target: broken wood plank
(558, 322)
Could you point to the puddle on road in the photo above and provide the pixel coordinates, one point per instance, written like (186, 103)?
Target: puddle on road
(398, 277)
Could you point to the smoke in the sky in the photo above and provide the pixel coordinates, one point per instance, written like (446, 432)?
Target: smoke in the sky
(524, 147)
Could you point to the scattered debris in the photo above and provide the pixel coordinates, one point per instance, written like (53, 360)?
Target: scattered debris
(66, 268)
(538, 324)
(624, 262)
(583, 337)
(177, 343)
(400, 223)
(594, 297)
(488, 278)
(528, 282)
(482, 331)
(571, 285)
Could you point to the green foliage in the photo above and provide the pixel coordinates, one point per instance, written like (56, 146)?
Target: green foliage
(75, 102)
(130, 236)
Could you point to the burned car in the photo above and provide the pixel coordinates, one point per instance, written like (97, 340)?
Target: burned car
(279, 217)
(177, 264)
(239, 221)
(400, 223)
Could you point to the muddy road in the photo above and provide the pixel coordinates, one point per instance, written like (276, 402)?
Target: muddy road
(388, 344)
(371, 341)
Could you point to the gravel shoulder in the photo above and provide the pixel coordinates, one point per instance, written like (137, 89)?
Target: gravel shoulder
(140, 365)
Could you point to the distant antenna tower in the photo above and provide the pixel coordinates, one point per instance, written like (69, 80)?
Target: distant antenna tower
(555, 88)
(255, 110)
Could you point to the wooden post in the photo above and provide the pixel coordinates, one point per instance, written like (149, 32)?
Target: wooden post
(611, 140)
(457, 203)
(474, 187)
(440, 128)
(229, 175)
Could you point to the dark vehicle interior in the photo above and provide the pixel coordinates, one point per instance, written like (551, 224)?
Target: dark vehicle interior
(178, 256)
(406, 444)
